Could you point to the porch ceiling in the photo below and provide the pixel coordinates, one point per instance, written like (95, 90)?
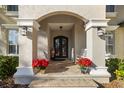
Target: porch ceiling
(65, 26)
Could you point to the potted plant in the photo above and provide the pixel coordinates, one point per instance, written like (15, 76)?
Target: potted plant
(40, 65)
(85, 64)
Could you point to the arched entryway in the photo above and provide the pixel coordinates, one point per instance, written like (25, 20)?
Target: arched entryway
(65, 24)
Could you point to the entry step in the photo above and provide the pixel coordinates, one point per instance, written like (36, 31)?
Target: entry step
(62, 82)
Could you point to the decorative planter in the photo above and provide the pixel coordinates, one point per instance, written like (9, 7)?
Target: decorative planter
(85, 64)
(42, 71)
(39, 65)
(36, 70)
(84, 70)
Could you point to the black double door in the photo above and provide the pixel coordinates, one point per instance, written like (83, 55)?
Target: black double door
(60, 47)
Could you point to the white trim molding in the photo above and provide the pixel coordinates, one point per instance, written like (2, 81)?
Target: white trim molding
(96, 23)
(25, 22)
(10, 26)
(112, 27)
(12, 13)
(28, 22)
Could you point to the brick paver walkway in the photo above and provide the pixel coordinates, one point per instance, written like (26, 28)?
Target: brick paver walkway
(63, 68)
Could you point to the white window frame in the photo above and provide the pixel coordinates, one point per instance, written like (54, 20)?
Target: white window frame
(110, 34)
(11, 54)
(10, 13)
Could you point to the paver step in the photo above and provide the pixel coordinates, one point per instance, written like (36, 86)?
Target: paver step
(56, 81)
(47, 76)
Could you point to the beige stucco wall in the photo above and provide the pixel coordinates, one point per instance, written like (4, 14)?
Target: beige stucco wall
(42, 42)
(119, 33)
(86, 11)
(119, 42)
(119, 15)
(80, 38)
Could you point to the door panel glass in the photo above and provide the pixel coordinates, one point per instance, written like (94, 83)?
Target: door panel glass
(61, 47)
(64, 48)
(57, 46)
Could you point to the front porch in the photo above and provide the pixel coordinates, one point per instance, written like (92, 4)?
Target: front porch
(62, 74)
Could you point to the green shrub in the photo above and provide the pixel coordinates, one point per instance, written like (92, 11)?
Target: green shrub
(119, 74)
(120, 71)
(8, 66)
(121, 65)
(112, 64)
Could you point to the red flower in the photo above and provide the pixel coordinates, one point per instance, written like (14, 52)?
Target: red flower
(35, 63)
(85, 62)
(40, 63)
(44, 62)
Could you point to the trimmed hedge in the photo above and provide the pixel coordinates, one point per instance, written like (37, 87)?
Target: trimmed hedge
(8, 66)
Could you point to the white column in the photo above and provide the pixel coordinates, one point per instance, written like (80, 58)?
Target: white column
(24, 74)
(96, 49)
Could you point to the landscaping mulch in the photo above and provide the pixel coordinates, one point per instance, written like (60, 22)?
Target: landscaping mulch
(9, 83)
(114, 84)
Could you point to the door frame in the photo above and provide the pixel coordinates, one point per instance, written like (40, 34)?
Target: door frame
(60, 57)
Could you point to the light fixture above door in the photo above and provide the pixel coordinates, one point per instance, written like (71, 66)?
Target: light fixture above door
(61, 28)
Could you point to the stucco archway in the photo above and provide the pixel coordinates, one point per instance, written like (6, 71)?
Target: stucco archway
(62, 12)
(52, 21)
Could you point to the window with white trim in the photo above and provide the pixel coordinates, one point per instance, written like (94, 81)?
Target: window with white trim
(110, 8)
(12, 7)
(13, 42)
(110, 42)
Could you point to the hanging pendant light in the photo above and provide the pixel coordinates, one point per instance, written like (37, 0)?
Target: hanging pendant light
(61, 28)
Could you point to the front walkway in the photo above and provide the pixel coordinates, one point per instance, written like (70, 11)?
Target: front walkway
(62, 74)
(62, 68)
